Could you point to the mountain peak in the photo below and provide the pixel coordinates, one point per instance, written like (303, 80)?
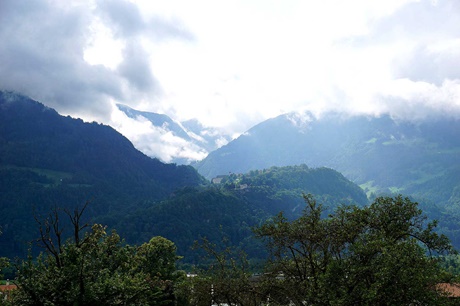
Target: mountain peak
(169, 140)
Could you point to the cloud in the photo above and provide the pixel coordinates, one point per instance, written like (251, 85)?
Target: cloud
(156, 141)
(416, 100)
(404, 64)
(41, 54)
(135, 68)
(233, 65)
(432, 63)
(124, 16)
(127, 21)
(43, 47)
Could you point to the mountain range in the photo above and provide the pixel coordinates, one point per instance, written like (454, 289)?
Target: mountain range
(381, 154)
(48, 161)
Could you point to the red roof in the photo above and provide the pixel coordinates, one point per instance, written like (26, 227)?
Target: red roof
(452, 290)
(7, 287)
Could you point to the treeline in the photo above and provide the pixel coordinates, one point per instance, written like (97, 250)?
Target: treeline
(183, 215)
(234, 206)
(382, 254)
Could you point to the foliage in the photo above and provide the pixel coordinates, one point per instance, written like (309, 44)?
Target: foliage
(4, 262)
(95, 268)
(225, 280)
(451, 263)
(377, 255)
(238, 203)
(299, 177)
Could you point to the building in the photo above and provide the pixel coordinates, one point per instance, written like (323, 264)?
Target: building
(6, 289)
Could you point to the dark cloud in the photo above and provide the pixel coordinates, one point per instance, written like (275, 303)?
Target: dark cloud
(135, 68)
(41, 53)
(42, 46)
(128, 21)
(123, 15)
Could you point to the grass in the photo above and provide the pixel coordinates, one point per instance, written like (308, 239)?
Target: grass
(55, 176)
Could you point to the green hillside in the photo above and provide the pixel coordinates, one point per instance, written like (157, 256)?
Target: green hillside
(234, 206)
(382, 155)
(47, 161)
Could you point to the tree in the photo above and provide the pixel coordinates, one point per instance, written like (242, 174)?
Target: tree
(224, 280)
(157, 259)
(4, 262)
(382, 254)
(92, 268)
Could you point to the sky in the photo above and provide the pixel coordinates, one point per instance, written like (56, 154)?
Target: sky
(231, 64)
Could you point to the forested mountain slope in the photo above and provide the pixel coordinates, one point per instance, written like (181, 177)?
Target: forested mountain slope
(232, 207)
(49, 160)
(381, 154)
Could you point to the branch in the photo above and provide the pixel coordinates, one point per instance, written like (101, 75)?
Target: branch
(75, 218)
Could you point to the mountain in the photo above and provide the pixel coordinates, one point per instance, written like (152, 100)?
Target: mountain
(235, 204)
(158, 120)
(177, 142)
(208, 137)
(49, 160)
(381, 154)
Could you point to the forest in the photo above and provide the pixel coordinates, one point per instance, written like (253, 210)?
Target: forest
(386, 253)
(86, 219)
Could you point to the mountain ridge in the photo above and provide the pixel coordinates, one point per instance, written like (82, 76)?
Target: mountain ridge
(380, 154)
(182, 142)
(50, 161)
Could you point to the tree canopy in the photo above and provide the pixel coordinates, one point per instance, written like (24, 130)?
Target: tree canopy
(386, 253)
(95, 268)
(382, 254)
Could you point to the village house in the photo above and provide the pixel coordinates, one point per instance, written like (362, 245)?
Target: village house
(451, 290)
(6, 289)
(218, 179)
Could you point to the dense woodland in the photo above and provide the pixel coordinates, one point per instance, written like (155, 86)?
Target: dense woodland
(382, 254)
(86, 219)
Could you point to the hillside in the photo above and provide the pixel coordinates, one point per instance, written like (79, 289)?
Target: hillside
(49, 160)
(239, 202)
(380, 154)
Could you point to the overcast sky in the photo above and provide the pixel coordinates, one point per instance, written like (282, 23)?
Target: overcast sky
(232, 64)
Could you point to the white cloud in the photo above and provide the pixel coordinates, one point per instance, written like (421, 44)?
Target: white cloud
(233, 64)
(155, 141)
(416, 99)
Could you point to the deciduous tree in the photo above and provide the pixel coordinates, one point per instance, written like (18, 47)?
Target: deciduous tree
(94, 268)
(382, 254)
